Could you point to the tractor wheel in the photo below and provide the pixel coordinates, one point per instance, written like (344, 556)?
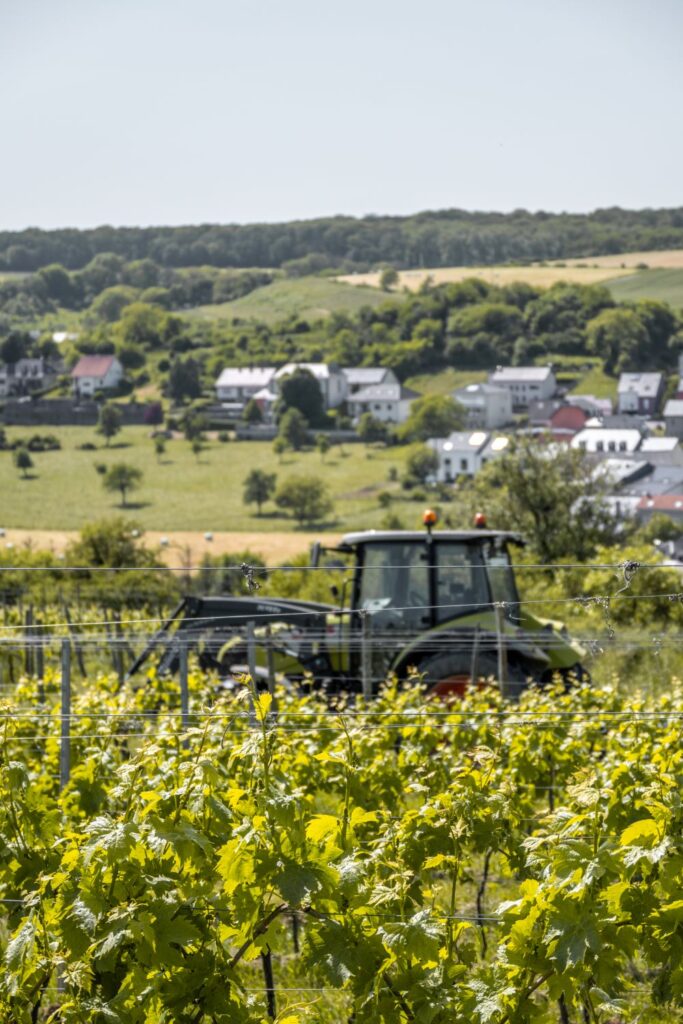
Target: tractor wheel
(450, 674)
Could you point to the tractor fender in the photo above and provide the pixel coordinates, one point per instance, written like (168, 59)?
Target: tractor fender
(530, 658)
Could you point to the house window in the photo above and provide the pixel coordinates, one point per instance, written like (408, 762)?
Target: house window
(622, 446)
(463, 464)
(611, 446)
(599, 446)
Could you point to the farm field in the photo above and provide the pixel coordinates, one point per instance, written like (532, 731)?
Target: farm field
(307, 298)
(185, 547)
(541, 277)
(180, 493)
(663, 285)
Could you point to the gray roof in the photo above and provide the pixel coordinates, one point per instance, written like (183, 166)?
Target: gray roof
(659, 444)
(365, 375)
(525, 374)
(646, 385)
(481, 388)
(461, 441)
(383, 393)
(662, 480)
(674, 407)
(245, 376)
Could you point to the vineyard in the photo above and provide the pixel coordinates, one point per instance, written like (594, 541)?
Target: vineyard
(277, 857)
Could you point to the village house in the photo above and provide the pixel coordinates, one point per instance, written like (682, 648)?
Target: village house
(389, 403)
(662, 504)
(526, 384)
(673, 417)
(239, 384)
(96, 373)
(487, 406)
(640, 393)
(601, 440)
(463, 453)
(592, 405)
(22, 377)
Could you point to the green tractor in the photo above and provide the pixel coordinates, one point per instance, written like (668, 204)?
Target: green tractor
(440, 603)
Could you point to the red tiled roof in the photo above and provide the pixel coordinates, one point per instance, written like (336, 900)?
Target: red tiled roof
(92, 366)
(663, 503)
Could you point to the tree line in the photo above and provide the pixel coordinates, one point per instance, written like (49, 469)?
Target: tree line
(431, 239)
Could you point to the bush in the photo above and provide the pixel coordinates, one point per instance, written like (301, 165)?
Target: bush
(100, 468)
(223, 436)
(88, 446)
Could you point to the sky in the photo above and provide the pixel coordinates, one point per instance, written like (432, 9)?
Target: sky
(144, 112)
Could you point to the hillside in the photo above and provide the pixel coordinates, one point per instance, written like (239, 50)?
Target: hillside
(664, 285)
(307, 298)
(538, 277)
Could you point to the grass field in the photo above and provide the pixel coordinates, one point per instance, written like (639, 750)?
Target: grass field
(654, 259)
(445, 381)
(308, 298)
(664, 285)
(540, 277)
(64, 489)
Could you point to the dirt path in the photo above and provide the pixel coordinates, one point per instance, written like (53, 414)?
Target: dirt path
(184, 547)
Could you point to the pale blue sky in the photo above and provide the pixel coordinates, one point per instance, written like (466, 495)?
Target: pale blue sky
(186, 111)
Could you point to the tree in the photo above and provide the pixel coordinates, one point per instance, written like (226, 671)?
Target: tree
(322, 443)
(252, 412)
(58, 283)
(619, 337)
(197, 446)
(22, 460)
(194, 425)
(371, 430)
(388, 278)
(159, 446)
(183, 380)
(280, 446)
(432, 416)
(14, 347)
(306, 497)
(110, 304)
(122, 478)
(130, 357)
(300, 390)
(109, 422)
(259, 487)
(293, 429)
(552, 496)
(422, 463)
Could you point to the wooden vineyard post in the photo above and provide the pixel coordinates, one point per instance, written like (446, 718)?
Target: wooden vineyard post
(502, 653)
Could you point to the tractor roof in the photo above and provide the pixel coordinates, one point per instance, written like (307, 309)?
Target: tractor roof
(352, 540)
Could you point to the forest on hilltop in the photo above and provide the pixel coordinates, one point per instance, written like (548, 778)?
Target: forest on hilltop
(430, 239)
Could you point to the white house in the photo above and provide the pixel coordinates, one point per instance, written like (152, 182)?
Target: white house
(464, 453)
(640, 393)
(487, 405)
(241, 383)
(389, 403)
(96, 373)
(601, 440)
(525, 383)
(331, 380)
(21, 377)
(673, 417)
(367, 376)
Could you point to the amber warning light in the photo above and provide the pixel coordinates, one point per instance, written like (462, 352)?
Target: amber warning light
(480, 521)
(430, 518)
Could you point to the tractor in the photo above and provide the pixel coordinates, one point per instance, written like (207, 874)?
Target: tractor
(442, 604)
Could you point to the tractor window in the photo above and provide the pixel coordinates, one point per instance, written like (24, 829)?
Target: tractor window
(502, 580)
(395, 576)
(461, 579)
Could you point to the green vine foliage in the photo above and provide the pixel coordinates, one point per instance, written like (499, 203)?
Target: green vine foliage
(401, 861)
